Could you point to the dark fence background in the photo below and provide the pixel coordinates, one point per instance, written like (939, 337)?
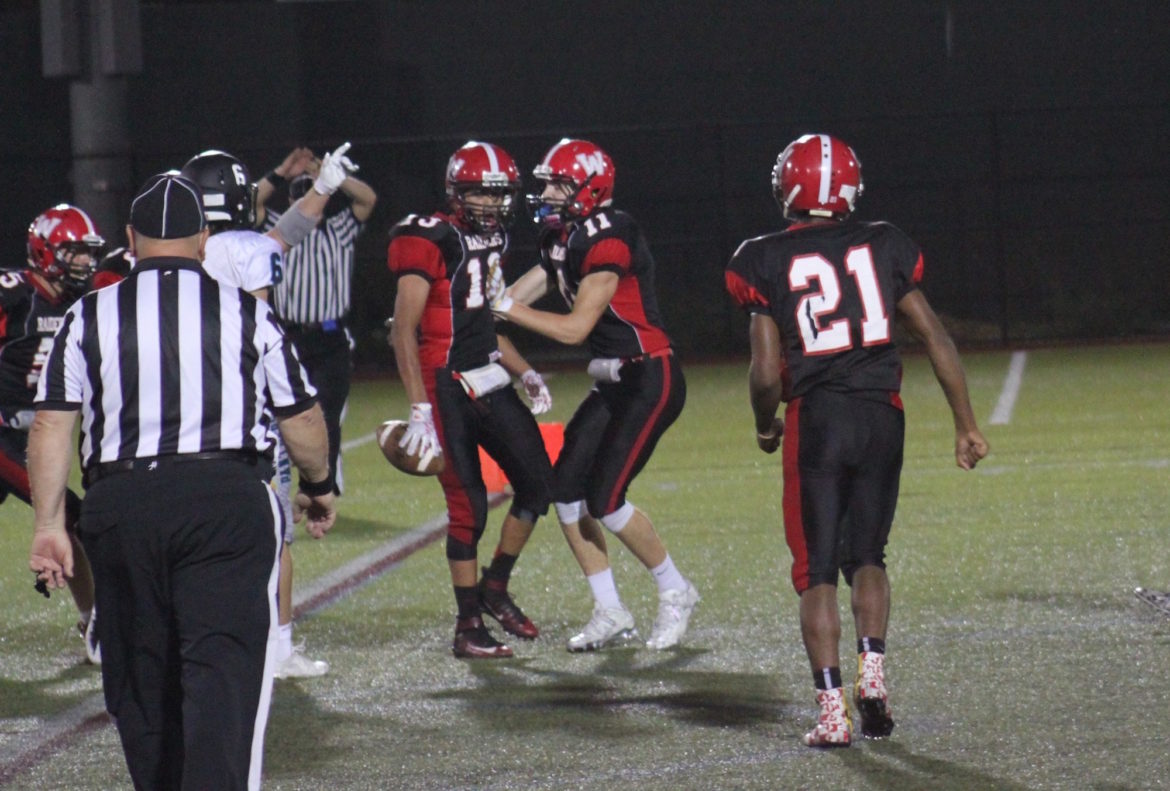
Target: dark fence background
(1025, 148)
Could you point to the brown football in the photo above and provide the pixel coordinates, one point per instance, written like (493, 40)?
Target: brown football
(389, 434)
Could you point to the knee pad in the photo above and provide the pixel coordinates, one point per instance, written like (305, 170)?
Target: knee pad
(614, 522)
(568, 513)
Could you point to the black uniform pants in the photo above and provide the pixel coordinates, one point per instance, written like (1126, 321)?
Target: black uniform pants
(325, 354)
(185, 565)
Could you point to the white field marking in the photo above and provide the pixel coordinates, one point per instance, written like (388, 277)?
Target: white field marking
(63, 730)
(1002, 414)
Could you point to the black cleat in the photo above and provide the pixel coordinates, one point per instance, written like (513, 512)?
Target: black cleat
(474, 641)
(496, 602)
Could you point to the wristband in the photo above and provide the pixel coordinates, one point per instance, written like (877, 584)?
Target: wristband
(277, 180)
(316, 489)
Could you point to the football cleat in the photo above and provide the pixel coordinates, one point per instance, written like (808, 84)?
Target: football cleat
(870, 697)
(474, 641)
(674, 612)
(496, 602)
(612, 626)
(1160, 601)
(88, 629)
(833, 724)
(297, 665)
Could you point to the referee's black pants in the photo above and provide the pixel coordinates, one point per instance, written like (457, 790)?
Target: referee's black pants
(185, 565)
(326, 357)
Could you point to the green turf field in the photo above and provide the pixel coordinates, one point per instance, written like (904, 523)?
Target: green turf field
(1018, 657)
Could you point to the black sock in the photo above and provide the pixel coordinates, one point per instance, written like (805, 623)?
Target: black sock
(827, 678)
(874, 645)
(501, 567)
(467, 602)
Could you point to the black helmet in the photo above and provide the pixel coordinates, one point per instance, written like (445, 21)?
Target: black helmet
(229, 196)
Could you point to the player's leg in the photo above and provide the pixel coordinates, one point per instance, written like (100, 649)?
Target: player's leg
(457, 427)
(873, 499)
(644, 404)
(610, 623)
(509, 435)
(814, 484)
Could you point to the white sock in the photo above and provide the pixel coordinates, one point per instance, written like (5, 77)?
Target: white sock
(604, 590)
(284, 642)
(667, 577)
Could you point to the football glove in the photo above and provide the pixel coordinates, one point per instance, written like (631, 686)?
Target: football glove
(537, 392)
(420, 438)
(335, 168)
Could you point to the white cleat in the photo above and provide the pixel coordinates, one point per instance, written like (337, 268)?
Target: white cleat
(297, 665)
(674, 612)
(606, 627)
(834, 723)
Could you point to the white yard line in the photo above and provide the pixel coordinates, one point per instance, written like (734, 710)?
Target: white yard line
(1002, 414)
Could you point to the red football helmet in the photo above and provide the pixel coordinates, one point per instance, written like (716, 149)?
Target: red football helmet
(583, 166)
(490, 172)
(818, 175)
(64, 244)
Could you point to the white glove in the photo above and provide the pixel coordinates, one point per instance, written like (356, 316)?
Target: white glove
(335, 168)
(497, 290)
(537, 392)
(420, 438)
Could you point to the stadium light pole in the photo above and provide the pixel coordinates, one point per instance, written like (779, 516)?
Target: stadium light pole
(96, 44)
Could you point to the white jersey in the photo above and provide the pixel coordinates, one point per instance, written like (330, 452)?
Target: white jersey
(244, 259)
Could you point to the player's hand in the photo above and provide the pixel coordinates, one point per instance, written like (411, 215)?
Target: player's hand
(51, 557)
(319, 512)
(769, 440)
(497, 290)
(335, 168)
(536, 391)
(420, 438)
(970, 447)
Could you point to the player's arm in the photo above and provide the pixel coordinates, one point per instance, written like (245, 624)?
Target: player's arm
(923, 324)
(408, 309)
(302, 217)
(765, 382)
(593, 297)
(530, 286)
(49, 439)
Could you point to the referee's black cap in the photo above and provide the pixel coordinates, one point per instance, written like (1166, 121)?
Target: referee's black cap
(168, 206)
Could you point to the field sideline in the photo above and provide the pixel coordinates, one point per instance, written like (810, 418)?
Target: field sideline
(1018, 657)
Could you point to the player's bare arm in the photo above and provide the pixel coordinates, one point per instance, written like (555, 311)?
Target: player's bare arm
(530, 286)
(923, 324)
(593, 296)
(408, 309)
(765, 385)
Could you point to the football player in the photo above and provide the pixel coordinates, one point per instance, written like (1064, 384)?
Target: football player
(460, 387)
(599, 259)
(254, 262)
(823, 295)
(63, 248)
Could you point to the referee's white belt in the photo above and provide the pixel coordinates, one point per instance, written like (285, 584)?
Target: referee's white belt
(96, 472)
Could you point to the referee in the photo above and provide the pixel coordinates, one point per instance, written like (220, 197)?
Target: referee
(173, 375)
(313, 298)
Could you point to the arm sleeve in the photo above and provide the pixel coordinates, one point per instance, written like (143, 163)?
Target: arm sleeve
(416, 256)
(610, 254)
(741, 282)
(345, 226)
(288, 384)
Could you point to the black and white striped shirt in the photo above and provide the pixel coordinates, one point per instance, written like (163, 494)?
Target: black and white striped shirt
(169, 361)
(318, 272)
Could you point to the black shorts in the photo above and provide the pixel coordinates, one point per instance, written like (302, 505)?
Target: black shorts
(842, 464)
(507, 431)
(614, 432)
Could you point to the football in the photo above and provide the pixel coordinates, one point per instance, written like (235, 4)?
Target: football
(389, 434)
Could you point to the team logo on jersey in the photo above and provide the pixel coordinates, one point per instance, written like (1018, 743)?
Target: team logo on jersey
(49, 324)
(593, 164)
(476, 242)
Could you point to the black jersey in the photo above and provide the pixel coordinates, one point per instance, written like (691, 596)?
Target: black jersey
(458, 331)
(832, 289)
(29, 317)
(609, 241)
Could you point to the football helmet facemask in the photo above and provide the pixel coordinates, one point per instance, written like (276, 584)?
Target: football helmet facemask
(817, 175)
(229, 196)
(487, 175)
(588, 175)
(64, 245)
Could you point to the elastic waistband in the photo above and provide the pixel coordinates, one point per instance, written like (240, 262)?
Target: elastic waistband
(96, 472)
(641, 358)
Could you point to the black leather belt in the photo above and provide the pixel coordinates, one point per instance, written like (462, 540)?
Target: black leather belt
(96, 472)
